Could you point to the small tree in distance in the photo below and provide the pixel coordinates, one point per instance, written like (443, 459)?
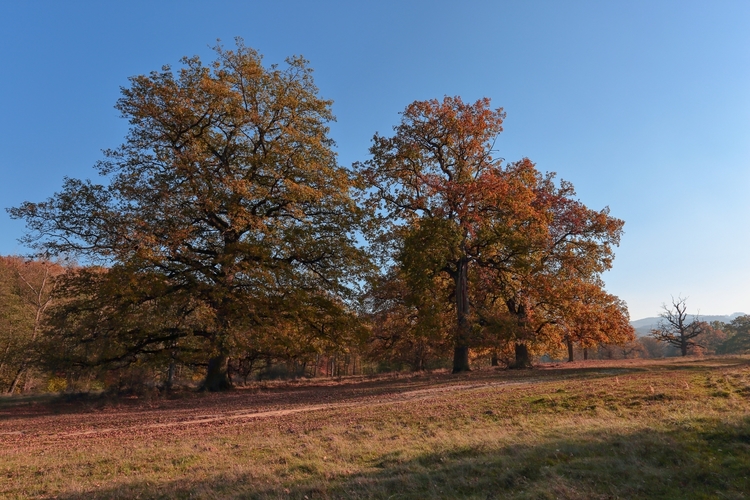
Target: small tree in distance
(675, 329)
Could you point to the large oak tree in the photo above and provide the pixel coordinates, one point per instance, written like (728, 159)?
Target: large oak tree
(223, 213)
(433, 181)
(508, 238)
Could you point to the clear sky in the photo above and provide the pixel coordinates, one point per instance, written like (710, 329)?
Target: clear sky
(643, 105)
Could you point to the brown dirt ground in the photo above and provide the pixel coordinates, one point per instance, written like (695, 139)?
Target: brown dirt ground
(29, 424)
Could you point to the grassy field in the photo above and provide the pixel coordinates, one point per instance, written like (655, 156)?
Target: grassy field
(620, 429)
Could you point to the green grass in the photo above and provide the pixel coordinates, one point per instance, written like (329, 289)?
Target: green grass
(649, 430)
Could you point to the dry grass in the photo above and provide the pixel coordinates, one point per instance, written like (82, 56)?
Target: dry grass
(667, 429)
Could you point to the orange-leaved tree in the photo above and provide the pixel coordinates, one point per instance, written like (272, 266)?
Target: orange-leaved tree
(549, 261)
(434, 184)
(449, 207)
(589, 316)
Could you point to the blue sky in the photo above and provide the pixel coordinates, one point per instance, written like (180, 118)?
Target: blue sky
(644, 106)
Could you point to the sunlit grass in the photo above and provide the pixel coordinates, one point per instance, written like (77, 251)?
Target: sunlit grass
(656, 430)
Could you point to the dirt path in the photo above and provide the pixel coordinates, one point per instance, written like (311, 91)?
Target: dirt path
(50, 422)
(93, 424)
(240, 415)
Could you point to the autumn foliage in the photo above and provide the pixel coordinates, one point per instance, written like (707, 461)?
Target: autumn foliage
(515, 252)
(225, 235)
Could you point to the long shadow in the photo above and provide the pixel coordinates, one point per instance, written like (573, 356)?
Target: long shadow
(709, 459)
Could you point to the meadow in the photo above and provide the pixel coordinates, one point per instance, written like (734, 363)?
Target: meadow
(677, 428)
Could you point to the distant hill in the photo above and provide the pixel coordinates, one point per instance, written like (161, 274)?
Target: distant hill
(645, 325)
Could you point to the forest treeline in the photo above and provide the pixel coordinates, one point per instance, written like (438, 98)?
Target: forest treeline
(225, 243)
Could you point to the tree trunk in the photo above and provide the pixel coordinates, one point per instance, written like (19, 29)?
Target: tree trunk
(171, 371)
(494, 360)
(683, 347)
(518, 309)
(418, 364)
(523, 358)
(217, 378)
(17, 378)
(461, 351)
(461, 359)
(170, 375)
(585, 353)
(570, 350)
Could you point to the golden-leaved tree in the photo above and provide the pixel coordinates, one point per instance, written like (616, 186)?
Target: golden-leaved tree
(222, 215)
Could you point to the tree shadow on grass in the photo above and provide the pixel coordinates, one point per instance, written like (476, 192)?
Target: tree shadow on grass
(699, 459)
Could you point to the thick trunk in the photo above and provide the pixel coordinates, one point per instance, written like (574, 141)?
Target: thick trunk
(523, 358)
(217, 374)
(217, 378)
(494, 361)
(461, 351)
(570, 350)
(683, 347)
(461, 359)
(585, 353)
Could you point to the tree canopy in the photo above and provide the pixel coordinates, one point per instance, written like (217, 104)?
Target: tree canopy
(509, 239)
(739, 335)
(224, 201)
(223, 228)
